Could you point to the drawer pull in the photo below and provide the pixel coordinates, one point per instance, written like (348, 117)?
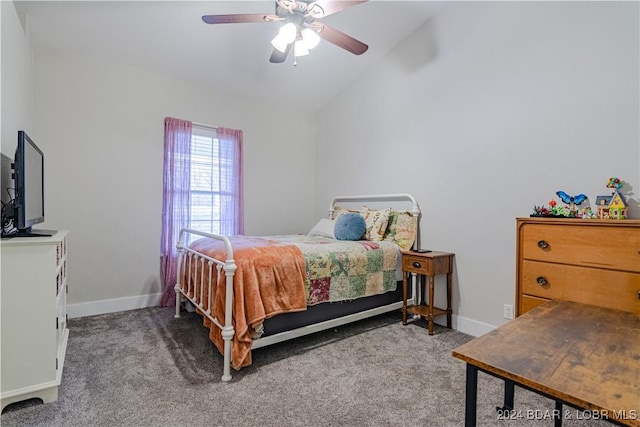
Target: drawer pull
(542, 244)
(416, 264)
(542, 281)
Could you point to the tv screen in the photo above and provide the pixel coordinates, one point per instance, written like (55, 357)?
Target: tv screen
(28, 177)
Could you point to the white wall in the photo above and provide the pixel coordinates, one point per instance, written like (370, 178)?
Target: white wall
(101, 128)
(487, 110)
(16, 81)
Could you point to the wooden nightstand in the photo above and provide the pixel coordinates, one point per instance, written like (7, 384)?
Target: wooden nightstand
(428, 264)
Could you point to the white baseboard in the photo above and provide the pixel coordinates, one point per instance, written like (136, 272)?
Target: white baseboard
(465, 325)
(112, 305)
(458, 323)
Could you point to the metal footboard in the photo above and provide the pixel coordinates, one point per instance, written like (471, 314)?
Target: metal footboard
(195, 263)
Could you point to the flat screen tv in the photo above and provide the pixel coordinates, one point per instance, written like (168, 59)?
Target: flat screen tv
(28, 176)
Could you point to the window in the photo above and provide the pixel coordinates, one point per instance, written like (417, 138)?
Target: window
(205, 182)
(202, 188)
(214, 171)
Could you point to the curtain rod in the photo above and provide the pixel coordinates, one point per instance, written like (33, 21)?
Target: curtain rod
(203, 125)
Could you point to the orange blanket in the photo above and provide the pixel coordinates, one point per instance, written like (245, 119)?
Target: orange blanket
(269, 280)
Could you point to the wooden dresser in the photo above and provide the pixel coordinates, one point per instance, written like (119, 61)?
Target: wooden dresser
(593, 262)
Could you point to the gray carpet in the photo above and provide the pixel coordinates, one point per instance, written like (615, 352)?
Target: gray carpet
(144, 368)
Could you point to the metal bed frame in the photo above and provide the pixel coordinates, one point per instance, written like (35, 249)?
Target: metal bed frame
(188, 257)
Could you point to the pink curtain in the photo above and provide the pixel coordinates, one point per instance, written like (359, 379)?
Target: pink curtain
(231, 186)
(175, 200)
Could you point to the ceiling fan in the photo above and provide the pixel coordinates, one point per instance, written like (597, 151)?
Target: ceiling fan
(300, 30)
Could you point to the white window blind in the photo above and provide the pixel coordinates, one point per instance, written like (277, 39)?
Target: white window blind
(206, 164)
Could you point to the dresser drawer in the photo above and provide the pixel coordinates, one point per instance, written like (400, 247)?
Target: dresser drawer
(605, 288)
(592, 245)
(528, 302)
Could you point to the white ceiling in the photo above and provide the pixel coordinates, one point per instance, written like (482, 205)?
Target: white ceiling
(169, 37)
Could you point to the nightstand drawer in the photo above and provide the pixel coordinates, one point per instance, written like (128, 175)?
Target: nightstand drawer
(605, 288)
(429, 264)
(416, 264)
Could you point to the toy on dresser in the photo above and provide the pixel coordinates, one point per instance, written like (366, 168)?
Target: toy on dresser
(606, 207)
(615, 205)
(569, 211)
(572, 201)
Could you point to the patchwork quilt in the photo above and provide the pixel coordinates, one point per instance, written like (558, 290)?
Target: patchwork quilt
(345, 270)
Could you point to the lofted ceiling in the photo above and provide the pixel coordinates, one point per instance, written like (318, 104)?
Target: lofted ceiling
(169, 37)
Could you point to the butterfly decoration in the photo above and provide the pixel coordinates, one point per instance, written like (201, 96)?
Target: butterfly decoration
(571, 200)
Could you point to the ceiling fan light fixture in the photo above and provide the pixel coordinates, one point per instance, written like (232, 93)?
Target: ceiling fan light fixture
(286, 35)
(300, 49)
(288, 32)
(279, 43)
(310, 38)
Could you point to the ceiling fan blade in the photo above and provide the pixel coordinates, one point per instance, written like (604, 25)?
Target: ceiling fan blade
(342, 40)
(278, 57)
(238, 18)
(330, 7)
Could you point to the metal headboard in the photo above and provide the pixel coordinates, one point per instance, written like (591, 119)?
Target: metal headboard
(394, 197)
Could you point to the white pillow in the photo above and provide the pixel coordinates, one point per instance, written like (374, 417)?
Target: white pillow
(324, 227)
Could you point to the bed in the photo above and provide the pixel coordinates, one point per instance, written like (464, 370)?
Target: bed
(257, 291)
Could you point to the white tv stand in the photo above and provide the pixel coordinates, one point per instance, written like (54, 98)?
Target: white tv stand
(33, 317)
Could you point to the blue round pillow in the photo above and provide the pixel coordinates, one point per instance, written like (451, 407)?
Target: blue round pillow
(349, 226)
